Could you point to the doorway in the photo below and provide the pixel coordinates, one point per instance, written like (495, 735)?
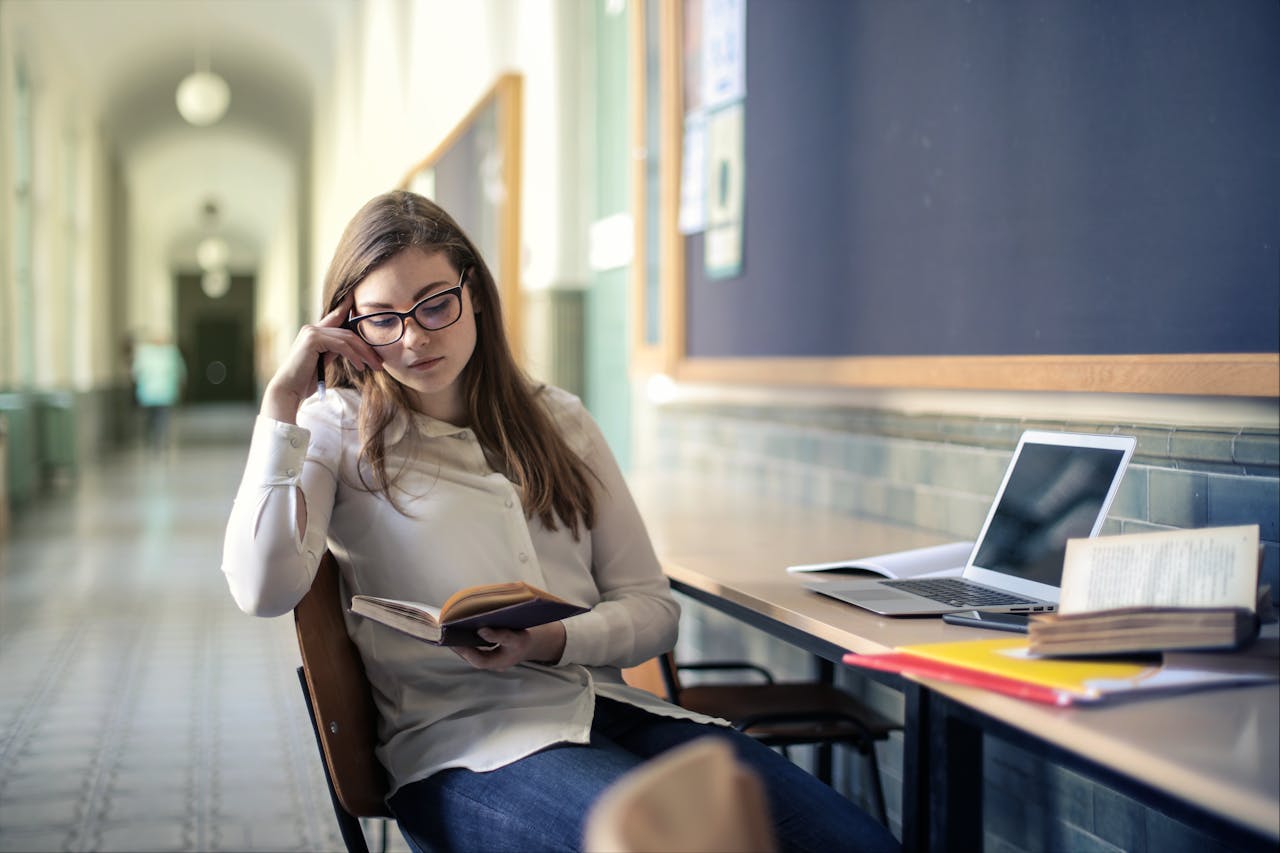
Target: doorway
(216, 339)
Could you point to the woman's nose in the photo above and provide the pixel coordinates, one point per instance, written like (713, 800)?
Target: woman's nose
(414, 334)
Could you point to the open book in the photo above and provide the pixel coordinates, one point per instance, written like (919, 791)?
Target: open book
(1180, 589)
(515, 605)
(1006, 666)
(932, 561)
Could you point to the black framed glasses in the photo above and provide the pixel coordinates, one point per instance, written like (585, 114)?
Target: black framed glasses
(438, 311)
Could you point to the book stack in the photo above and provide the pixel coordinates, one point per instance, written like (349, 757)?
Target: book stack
(1153, 592)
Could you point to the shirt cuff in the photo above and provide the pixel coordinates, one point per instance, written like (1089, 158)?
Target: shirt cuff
(277, 452)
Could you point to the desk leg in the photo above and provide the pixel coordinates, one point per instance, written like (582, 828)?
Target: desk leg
(941, 776)
(955, 816)
(915, 768)
(825, 673)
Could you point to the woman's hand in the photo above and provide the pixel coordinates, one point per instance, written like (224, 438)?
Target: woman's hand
(540, 644)
(295, 380)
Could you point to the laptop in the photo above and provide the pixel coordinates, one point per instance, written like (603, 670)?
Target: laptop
(1058, 486)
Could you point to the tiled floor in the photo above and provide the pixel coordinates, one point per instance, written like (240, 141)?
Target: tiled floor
(139, 709)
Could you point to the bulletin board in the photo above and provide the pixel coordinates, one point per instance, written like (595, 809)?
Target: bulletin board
(1033, 196)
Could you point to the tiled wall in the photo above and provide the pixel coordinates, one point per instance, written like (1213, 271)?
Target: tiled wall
(939, 472)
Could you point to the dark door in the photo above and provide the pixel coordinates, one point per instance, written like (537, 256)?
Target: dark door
(216, 339)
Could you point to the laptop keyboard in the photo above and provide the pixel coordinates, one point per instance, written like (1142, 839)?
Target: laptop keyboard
(958, 593)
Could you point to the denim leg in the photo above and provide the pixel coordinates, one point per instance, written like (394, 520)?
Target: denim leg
(538, 803)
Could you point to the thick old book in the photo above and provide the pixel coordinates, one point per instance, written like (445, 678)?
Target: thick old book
(1149, 592)
(932, 561)
(515, 605)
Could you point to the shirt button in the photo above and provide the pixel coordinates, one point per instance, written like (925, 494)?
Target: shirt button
(292, 472)
(295, 442)
(465, 434)
(524, 558)
(509, 502)
(311, 558)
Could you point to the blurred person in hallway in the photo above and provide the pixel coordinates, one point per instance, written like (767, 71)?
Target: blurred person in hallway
(431, 462)
(159, 373)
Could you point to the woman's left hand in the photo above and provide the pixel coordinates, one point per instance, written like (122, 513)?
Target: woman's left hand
(540, 644)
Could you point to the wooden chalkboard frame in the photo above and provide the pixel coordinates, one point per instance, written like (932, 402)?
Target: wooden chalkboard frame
(1211, 374)
(503, 105)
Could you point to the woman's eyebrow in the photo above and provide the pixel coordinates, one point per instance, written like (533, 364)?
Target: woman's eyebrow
(422, 293)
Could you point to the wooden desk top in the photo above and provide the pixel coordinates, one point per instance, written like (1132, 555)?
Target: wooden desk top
(1219, 748)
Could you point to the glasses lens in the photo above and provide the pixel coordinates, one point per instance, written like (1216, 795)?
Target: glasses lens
(439, 311)
(381, 329)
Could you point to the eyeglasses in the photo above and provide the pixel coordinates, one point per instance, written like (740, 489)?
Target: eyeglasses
(438, 311)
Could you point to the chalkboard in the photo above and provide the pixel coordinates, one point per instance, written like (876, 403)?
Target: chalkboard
(1036, 180)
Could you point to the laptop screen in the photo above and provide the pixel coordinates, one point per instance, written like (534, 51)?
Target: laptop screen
(1054, 493)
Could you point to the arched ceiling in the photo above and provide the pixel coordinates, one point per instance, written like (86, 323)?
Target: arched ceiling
(128, 57)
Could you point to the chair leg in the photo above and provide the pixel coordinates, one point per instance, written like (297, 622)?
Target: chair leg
(824, 763)
(382, 825)
(348, 824)
(877, 787)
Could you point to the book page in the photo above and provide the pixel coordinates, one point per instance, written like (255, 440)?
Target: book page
(1210, 567)
(931, 561)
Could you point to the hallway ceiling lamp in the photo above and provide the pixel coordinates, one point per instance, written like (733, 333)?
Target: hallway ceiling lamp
(215, 283)
(203, 97)
(212, 253)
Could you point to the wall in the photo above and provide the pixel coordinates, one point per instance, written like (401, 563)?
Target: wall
(59, 282)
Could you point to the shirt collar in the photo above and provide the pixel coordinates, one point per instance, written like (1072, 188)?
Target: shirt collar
(424, 425)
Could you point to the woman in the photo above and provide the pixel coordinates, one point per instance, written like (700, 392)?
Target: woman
(433, 463)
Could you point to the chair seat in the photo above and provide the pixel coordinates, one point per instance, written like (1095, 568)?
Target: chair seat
(784, 713)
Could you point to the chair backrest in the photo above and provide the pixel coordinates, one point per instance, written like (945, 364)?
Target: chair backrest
(341, 700)
(697, 798)
(648, 676)
(657, 675)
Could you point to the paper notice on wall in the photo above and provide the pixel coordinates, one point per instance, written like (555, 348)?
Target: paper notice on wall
(724, 52)
(726, 188)
(693, 178)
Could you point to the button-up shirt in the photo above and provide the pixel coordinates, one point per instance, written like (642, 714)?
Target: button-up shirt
(462, 524)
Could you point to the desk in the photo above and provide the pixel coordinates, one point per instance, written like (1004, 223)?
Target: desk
(1210, 759)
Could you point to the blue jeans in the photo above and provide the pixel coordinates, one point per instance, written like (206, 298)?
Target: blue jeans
(540, 803)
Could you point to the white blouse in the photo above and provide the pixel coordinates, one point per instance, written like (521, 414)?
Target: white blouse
(463, 524)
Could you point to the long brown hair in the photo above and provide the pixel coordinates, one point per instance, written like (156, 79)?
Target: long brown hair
(502, 402)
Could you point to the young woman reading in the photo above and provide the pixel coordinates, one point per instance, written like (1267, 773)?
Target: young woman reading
(432, 463)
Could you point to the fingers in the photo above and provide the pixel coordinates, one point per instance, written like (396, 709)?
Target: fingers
(330, 341)
(506, 650)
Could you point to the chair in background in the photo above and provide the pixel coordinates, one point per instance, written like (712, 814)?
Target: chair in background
(696, 798)
(781, 714)
(340, 703)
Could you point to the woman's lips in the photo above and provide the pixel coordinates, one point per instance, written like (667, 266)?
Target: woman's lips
(426, 363)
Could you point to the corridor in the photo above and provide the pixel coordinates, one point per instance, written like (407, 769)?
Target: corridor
(140, 710)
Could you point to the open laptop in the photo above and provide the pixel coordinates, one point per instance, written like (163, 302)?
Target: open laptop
(1058, 486)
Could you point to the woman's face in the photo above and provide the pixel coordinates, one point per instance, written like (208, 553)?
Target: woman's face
(427, 363)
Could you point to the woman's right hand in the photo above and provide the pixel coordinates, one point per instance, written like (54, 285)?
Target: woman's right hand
(295, 379)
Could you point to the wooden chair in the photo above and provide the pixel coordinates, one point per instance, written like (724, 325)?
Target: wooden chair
(697, 798)
(780, 714)
(340, 703)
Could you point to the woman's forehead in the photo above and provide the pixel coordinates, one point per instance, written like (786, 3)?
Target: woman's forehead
(408, 276)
